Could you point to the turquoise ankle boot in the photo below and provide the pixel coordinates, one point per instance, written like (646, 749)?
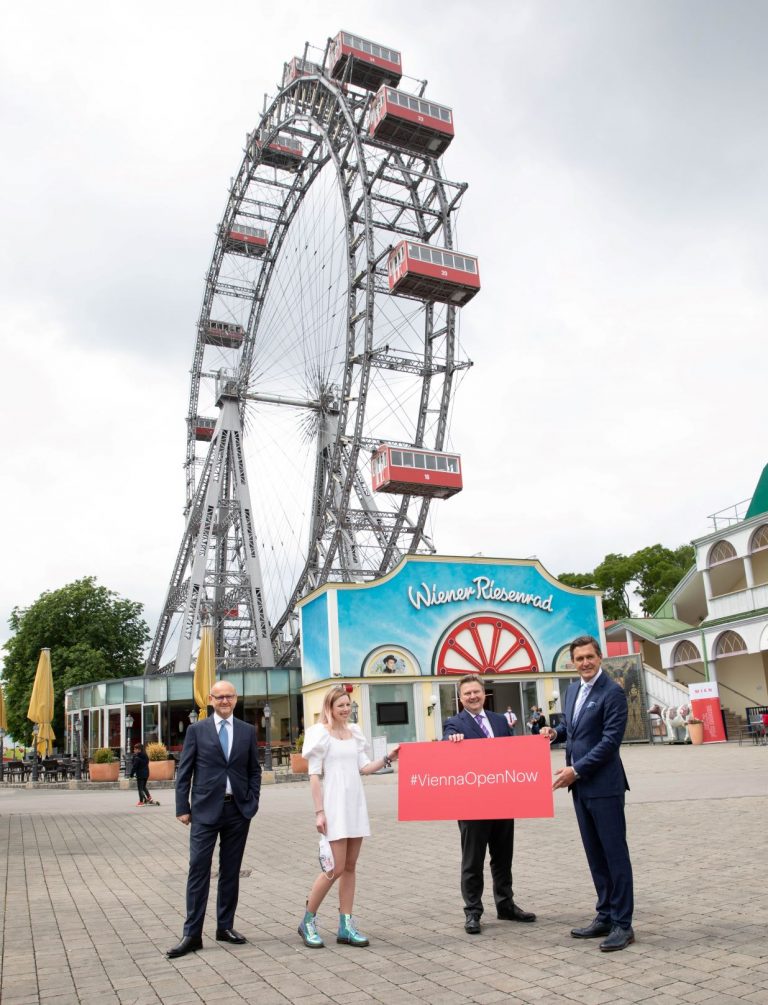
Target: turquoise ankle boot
(348, 934)
(308, 932)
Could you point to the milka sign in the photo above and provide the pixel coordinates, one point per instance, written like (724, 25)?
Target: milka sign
(481, 588)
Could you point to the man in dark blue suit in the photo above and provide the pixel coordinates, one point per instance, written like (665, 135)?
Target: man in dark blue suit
(478, 836)
(595, 720)
(220, 763)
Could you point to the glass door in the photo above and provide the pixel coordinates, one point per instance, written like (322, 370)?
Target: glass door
(114, 720)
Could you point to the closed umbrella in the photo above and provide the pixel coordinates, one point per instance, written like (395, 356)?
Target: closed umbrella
(3, 720)
(41, 703)
(205, 672)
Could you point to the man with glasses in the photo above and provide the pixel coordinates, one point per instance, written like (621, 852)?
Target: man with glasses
(220, 764)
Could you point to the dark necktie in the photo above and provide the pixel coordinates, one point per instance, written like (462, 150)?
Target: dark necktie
(480, 720)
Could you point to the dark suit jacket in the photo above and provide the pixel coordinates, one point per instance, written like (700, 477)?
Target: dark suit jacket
(592, 745)
(466, 724)
(203, 767)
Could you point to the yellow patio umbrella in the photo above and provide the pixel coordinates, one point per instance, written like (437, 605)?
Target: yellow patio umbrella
(205, 672)
(41, 703)
(3, 720)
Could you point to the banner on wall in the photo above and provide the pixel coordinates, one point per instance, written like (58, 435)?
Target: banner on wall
(705, 705)
(475, 780)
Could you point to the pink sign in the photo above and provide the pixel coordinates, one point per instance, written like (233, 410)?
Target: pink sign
(475, 779)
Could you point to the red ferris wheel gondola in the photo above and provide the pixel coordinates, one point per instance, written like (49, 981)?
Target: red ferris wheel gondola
(410, 471)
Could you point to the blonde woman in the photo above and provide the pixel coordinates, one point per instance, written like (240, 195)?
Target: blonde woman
(335, 749)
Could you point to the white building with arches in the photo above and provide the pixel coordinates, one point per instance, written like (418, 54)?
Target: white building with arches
(714, 625)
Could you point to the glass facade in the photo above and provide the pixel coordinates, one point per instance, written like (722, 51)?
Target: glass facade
(159, 709)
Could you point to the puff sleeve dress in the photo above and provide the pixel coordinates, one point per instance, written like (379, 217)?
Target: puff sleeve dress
(339, 762)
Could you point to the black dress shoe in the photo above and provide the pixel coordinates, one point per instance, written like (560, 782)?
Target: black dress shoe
(230, 935)
(189, 944)
(511, 912)
(619, 938)
(472, 924)
(593, 930)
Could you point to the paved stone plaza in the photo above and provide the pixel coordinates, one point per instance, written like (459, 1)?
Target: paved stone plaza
(95, 889)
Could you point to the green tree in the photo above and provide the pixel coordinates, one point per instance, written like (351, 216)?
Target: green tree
(93, 634)
(659, 570)
(615, 576)
(581, 580)
(651, 573)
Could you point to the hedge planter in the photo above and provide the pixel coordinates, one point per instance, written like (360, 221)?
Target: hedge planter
(299, 764)
(104, 772)
(162, 771)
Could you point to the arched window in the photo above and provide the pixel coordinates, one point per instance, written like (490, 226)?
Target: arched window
(685, 652)
(759, 539)
(730, 644)
(758, 555)
(721, 552)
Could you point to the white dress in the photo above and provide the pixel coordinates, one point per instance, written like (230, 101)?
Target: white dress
(339, 762)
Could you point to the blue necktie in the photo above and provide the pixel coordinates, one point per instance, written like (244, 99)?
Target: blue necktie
(224, 739)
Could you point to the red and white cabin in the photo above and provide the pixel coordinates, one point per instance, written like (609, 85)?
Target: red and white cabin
(223, 334)
(370, 64)
(284, 152)
(244, 240)
(410, 122)
(204, 428)
(299, 67)
(413, 471)
(418, 270)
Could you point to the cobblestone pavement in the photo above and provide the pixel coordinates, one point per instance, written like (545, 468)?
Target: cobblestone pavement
(94, 889)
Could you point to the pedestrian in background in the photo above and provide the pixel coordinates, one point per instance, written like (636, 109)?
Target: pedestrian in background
(140, 770)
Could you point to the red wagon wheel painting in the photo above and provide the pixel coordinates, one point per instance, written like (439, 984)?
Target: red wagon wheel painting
(486, 643)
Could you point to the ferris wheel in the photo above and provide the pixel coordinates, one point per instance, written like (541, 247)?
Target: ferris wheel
(327, 338)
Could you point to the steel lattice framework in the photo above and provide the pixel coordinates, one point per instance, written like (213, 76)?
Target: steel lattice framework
(328, 366)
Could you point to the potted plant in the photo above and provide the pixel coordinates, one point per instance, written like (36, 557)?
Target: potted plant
(695, 731)
(103, 766)
(299, 763)
(161, 767)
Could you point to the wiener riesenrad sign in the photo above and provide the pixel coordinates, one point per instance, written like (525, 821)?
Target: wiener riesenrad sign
(437, 616)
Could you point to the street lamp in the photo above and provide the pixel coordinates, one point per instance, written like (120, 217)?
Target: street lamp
(193, 716)
(354, 708)
(78, 760)
(268, 736)
(2, 755)
(35, 731)
(128, 747)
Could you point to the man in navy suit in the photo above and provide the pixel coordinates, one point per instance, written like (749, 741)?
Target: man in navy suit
(478, 836)
(220, 763)
(595, 720)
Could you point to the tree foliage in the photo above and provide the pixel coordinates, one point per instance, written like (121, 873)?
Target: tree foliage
(93, 635)
(650, 573)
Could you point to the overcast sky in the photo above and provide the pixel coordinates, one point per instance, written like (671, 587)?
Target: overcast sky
(616, 158)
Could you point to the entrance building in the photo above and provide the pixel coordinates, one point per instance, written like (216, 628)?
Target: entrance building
(403, 642)
(117, 713)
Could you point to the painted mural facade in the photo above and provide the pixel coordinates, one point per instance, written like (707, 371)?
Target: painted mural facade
(432, 620)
